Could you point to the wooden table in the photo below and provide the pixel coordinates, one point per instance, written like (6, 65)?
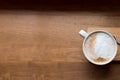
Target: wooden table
(36, 45)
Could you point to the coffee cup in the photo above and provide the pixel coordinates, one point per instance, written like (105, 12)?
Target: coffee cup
(99, 47)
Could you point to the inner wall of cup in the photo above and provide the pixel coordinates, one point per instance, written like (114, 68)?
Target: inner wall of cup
(108, 46)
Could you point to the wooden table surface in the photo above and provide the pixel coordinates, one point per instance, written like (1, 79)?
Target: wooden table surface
(36, 45)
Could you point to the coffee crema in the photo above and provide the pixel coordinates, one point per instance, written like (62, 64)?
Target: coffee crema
(99, 59)
(99, 47)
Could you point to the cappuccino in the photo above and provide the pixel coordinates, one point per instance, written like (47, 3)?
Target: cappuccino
(99, 47)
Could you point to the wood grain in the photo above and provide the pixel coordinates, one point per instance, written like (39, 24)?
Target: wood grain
(36, 45)
(39, 37)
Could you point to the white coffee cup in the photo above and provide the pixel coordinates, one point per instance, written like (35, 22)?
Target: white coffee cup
(99, 47)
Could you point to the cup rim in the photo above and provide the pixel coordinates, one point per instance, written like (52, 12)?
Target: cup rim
(102, 63)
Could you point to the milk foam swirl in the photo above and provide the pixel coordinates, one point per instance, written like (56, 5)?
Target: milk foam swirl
(99, 46)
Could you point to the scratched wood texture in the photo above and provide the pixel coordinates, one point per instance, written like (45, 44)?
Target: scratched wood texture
(45, 45)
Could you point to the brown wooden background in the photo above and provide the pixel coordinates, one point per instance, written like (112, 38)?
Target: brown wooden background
(39, 40)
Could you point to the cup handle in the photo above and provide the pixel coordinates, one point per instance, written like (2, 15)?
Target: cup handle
(83, 33)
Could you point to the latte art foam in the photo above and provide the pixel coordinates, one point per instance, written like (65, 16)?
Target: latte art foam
(100, 47)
